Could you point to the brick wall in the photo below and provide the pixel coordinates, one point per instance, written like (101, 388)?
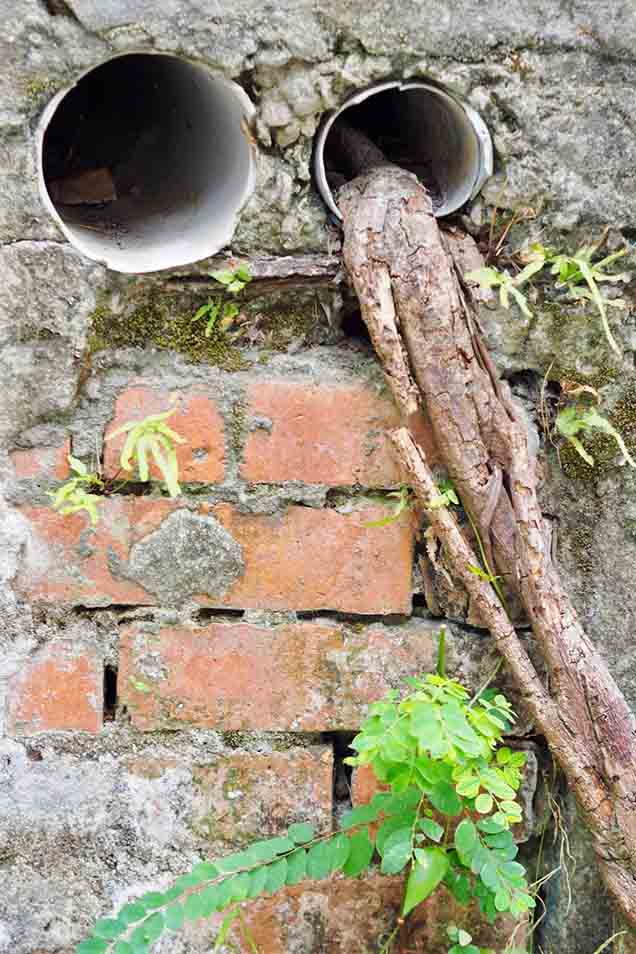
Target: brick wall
(225, 644)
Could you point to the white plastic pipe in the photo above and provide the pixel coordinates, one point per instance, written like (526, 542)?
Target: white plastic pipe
(435, 126)
(174, 142)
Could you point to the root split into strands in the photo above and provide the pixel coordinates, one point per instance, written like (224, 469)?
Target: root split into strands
(407, 276)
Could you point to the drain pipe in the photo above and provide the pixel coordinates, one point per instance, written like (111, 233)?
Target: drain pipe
(418, 125)
(146, 161)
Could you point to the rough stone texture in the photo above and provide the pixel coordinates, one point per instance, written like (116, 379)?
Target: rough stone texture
(348, 917)
(147, 550)
(308, 677)
(555, 83)
(186, 555)
(130, 821)
(570, 914)
(42, 461)
(247, 796)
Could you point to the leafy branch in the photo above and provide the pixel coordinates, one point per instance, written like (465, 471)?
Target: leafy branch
(439, 755)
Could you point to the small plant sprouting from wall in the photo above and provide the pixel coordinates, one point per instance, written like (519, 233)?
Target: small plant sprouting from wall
(75, 495)
(577, 274)
(151, 438)
(444, 818)
(217, 311)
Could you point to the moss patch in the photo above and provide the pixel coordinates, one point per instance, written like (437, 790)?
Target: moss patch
(156, 320)
(602, 447)
(39, 88)
(280, 319)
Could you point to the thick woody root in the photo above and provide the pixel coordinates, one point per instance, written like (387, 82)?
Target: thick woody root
(428, 342)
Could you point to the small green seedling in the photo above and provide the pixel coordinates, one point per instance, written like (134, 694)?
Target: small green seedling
(447, 495)
(75, 495)
(402, 496)
(234, 281)
(575, 271)
(215, 309)
(462, 941)
(575, 419)
(507, 284)
(151, 437)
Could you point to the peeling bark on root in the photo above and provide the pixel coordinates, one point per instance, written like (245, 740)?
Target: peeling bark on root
(428, 341)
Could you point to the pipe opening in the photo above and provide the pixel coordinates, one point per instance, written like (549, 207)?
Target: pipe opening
(418, 126)
(146, 161)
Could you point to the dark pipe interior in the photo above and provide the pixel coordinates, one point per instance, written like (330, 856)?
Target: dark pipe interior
(103, 120)
(381, 118)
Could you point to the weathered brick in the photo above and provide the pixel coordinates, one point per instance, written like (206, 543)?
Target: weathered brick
(197, 419)
(245, 796)
(311, 676)
(51, 462)
(68, 561)
(322, 434)
(153, 550)
(61, 687)
(298, 559)
(340, 916)
(306, 558)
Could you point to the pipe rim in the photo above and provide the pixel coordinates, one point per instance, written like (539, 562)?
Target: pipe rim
(481, 133)
(249, 111)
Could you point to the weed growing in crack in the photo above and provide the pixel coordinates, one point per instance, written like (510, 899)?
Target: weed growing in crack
(215, 310)
(577, 274)
(153, 437)
(75, 495)
(444, 817)
(576, 419)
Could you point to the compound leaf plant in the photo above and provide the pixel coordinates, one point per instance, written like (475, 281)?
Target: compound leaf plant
(444, 817)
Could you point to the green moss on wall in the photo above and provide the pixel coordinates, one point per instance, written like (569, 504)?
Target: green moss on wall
(156, 320)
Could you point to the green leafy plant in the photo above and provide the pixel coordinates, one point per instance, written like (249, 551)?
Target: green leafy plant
(575, 273)
(403, 502)
(507, 284)
(447, 495)
(75, 494)
(151, 437)
(444, 818)
(575, 419)
(215, 310)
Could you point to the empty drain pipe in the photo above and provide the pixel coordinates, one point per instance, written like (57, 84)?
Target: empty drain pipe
(145, 162)
(418, 125)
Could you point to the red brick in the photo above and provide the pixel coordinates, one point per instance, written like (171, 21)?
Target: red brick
(305, 558)
(302, 558)
(342, 916)
(323, 435)
(68, 561)
(49, 462)
(201, 458)
(307, 677)
(59, 688)
(321, 559)
(246, 796)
